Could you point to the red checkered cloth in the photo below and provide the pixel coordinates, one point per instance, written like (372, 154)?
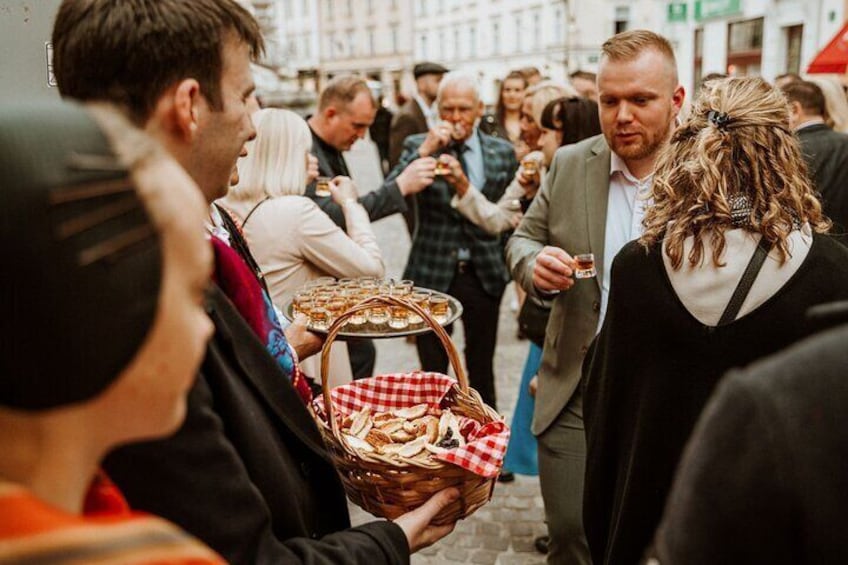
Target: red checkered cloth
(486, 444)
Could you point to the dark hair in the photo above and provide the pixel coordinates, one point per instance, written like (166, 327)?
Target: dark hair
(528, 72)
(84, 290)
(130, 51)
(808, 94)
(791, 77)
(710, 76)
(585, 75)
(576, 117)
(500, 109)
(342, 90)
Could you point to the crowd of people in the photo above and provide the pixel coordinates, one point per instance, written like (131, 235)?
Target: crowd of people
(158, 220)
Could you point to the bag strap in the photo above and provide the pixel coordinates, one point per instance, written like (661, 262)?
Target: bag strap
(252, 210)
(238, 243)
(747, 281)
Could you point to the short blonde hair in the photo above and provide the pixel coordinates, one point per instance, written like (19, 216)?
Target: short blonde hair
(544, 92)
(709, 162)
(342, 90)
(276, 160)
(629, 45)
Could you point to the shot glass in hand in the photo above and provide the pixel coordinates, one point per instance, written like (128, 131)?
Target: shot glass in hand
(529, 167)
(322, 186)
(585, 266)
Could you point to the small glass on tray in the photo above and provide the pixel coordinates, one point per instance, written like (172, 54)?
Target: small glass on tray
(323, 300)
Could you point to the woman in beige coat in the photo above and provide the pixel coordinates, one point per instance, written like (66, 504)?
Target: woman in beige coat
(292, 240)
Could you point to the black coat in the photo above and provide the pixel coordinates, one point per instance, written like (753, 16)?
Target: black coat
(826, 152)
(651, 372)
(384, 201)
(248, 472)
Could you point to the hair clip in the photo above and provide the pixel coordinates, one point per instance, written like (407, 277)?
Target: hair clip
(718, 119)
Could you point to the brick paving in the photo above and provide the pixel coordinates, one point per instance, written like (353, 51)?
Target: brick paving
(502, 532)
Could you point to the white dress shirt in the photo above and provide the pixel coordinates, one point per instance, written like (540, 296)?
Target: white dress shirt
(625, 213)
(430, 113)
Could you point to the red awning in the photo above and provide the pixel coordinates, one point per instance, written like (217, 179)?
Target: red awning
(834, 57)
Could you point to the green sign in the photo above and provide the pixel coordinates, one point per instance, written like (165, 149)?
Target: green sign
(677, 11)
(705, 9)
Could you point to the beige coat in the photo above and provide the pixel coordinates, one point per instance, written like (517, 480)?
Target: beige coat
(294, 242)
(569, 212)
(492, 217)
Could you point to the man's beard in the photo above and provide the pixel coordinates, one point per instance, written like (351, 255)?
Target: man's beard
(641, 150)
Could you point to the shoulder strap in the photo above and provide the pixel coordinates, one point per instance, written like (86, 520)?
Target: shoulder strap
(252, 210)
(747, 281)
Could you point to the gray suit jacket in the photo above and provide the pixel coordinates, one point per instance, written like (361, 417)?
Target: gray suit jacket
(569, 212)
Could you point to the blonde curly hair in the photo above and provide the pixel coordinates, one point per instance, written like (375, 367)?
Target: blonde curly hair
(709, 162)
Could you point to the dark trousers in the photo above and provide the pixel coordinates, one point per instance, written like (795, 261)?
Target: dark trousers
(362, 355)
(480, 322)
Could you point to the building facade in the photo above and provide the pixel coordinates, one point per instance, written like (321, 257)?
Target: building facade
(312, 40)
(750, 37)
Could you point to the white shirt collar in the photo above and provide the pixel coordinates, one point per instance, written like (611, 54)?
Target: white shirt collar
(428, 111)
(617, 165)
(808, 123)
(216, 225)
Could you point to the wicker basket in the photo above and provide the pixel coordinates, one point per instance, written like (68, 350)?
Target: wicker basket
(388, 486)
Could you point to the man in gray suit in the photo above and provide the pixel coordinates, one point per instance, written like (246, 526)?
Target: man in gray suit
(589, 204)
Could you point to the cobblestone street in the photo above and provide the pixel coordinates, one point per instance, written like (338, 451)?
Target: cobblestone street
(502, 532)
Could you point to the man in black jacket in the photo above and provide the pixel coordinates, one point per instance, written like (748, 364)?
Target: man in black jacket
(248, 472)
(346, 109)
(825, 151)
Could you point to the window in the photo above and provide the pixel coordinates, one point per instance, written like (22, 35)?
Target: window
(351, 43)
(307, 46)
(496, 36)
(622, 17)
(518, 32)
(472, 41)
(558, 26)
(423, 46)
(394, 38)
(305, 8)
(371, 47)
(441, 44)
(370, 6)
(794, 35)
(537, 29)
(331, 46)
(349, 7)
(457, 54)
(745, 47)
(329, 9)
(698, 71)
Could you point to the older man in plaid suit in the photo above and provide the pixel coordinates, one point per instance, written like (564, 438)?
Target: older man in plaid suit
(449, 253)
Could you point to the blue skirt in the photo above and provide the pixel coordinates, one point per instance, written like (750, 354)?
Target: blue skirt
(521, 454)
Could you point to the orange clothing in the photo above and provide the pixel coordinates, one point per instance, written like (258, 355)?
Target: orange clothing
(108, 533)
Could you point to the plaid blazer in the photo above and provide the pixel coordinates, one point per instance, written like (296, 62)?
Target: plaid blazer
(442, 230)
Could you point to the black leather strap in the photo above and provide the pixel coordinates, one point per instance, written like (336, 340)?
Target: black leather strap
(747, 281)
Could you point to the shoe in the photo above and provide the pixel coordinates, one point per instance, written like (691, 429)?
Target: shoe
(541, 544)
(506, 477)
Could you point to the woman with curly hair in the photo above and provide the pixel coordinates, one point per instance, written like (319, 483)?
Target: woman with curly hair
(733, 254)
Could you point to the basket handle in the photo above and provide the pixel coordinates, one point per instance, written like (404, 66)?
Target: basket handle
(332, 333)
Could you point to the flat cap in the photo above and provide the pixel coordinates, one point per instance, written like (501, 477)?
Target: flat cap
(428, 68)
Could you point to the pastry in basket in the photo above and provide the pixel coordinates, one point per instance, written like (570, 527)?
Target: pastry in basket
(418, 430)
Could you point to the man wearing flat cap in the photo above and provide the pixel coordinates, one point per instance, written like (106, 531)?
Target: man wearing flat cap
(416, 116)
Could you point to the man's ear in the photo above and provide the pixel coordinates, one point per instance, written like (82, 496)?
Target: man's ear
(330, 112)
(796, 113)
(677, 99)
(481, 108)
(178, 109)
